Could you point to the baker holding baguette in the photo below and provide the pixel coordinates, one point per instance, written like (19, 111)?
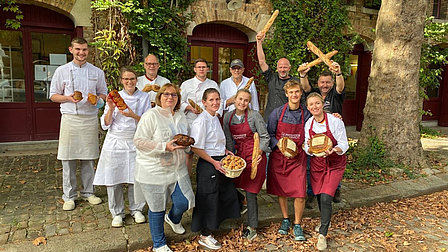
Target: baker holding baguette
(237, 81)
(287, 176)
(246, 133)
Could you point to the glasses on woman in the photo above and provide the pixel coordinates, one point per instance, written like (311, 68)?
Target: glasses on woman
(166, 95)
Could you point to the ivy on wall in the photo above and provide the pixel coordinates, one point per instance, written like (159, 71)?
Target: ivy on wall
(13, 7)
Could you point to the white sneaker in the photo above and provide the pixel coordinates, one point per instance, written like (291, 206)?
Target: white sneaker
(164, 248)
(177, 228)
(68, 205)
(321, 242)
(94, 200)
(139, 217)
(209, 242)
(318, 227)
(117, 221)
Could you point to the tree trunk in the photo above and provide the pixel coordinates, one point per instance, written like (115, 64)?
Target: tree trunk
(392, 111)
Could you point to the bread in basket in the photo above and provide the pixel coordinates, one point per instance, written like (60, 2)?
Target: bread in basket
(233, 165)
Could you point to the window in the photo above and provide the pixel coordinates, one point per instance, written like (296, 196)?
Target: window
(372, 4)
(12, 75)
(436, 8)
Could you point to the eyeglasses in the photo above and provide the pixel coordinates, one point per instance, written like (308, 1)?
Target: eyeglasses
(151, 64)
(128, 79)
(166, 95)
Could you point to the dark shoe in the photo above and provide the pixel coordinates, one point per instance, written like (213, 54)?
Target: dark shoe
(284, 228)
(337, 196)
(309, 202)
(298, 233)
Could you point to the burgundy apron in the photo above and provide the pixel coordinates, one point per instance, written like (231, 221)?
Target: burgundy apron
(326, 172)
(287, 176)
(244, 145)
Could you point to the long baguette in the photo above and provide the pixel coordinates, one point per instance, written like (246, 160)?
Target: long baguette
(319, 53)
(270, 22)
(255, 153)
(194, 105)
(317, 61)
(249, 82)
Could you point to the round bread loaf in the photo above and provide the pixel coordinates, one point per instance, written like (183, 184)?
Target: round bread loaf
(183, 140)
(77, 95)
(287, 147)
(320, 143)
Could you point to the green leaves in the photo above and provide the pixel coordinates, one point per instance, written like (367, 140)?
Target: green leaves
(11, 6)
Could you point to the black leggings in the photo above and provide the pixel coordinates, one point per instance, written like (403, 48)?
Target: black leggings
(325, 207)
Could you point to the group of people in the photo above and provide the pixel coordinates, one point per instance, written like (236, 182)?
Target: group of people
(139, 149)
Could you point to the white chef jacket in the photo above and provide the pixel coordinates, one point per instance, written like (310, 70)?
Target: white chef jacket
(117, 159)
(208, 134)
(229, 88)
(337, 128)
(142, 81)
(87, 79)
(194, 89)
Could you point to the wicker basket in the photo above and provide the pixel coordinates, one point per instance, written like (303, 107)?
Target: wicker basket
(235, 173)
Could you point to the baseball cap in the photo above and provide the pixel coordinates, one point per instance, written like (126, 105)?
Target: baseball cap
(236, 62)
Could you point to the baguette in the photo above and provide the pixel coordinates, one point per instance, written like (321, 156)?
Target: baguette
(255, 153)
(270, 22)
(319, 53)
(195, 106)
(249, 82)
(317, 61)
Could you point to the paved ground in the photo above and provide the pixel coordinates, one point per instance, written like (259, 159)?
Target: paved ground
(30, 207)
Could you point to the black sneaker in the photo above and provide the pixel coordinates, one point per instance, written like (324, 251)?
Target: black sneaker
(337, 196)
(309, 202)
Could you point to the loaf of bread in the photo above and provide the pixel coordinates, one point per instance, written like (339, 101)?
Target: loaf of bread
(195, 106)
(319, 53)
(270, 22)
(92, 99)
(255, 153)
(183, 140)
(287, 147)
(116, 98)
(320, 143)
(317, 61)
(249, 82)
(149, 87)
(77, 95)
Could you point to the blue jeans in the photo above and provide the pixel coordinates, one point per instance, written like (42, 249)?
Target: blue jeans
(156, 219)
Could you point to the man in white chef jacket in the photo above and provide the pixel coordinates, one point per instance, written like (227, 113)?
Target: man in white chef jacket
(151, 76)
(231, 85)
(194, 89)
(78, 136)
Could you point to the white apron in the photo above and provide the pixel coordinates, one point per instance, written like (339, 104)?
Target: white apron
(117, 159)
(78, 137)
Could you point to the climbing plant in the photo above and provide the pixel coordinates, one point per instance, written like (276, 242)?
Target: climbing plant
(13, 7)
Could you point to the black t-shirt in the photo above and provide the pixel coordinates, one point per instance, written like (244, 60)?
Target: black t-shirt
(276, 95)
(333, 101)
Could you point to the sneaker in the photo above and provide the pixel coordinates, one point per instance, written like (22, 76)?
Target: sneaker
(298, 233)
(318, 227)
(177, 228)
(94, 200)
(139, 217)
(284, 228)
(250, 233)
(310, 202)
(321, 242)
(68, 205)
(209, 242)
(164, 248)
(337, 196)
(117, 221)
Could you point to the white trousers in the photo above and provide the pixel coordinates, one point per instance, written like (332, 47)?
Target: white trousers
(69, 183)
(116, 200)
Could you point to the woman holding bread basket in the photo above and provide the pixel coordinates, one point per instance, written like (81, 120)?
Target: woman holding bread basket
(117, 159)
(216, 195)
(326, 142)
(287, 162)
(161, 170)
(242, 127)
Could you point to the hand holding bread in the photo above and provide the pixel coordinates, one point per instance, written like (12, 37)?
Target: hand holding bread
(269, 23)
(256, 152)
(195, 106)
(287, 147)
(118, 100)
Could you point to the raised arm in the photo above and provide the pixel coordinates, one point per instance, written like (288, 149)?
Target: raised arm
(304, 82)
(260, 53)
(340, 83)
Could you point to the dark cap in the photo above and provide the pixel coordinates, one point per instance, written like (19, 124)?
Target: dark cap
(236, 62)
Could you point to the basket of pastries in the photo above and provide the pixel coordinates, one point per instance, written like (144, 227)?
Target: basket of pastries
(320, 143)
(287, 147)
(233, 165)
(183, 140)
(116, 98)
